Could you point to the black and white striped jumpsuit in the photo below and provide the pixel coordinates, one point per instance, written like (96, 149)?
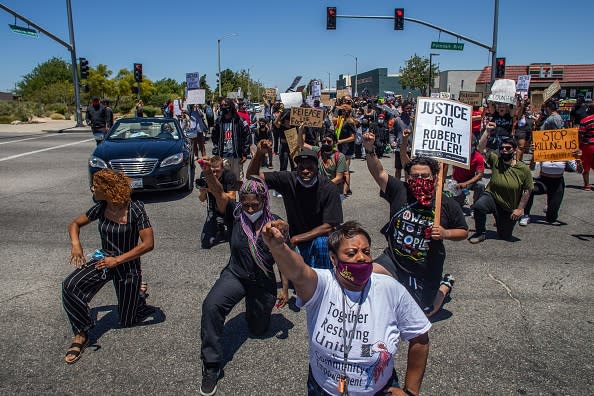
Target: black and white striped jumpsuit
(81, 285)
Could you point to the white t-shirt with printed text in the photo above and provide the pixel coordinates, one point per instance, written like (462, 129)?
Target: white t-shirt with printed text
(388, 313)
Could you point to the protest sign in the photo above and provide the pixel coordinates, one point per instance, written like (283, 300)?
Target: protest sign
(192, 81)
(555, 144)
(310, 117)
(291, 99)
(316, 89)
(270, 93)
(536, 99)
(291, 136)
(471, 98)
(444, 95)
(523, 83)
(443, 131)
(503, 91)
(342, 92)
(326, 101)
(551, 91)
(196, 96)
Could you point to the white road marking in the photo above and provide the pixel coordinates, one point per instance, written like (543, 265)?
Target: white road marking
(42, 150)
(30, 138)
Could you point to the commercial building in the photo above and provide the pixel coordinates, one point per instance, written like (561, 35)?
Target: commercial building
(375, 83)
(454, 81)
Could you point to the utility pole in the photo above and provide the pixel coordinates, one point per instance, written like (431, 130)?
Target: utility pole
(494, 46)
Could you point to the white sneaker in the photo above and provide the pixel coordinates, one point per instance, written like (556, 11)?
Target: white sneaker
(545, 208)
(524, 220)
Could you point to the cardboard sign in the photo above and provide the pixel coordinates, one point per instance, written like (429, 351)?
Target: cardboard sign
(555, 144)
(196, 96)
(291, 99)
(551, 91)
(523, 83)
(443, 131)
(316, 89)
(291, 136)
(536, 100)
(192, 81)
(270, 93)
(471, 98)
(310, 117)
(326, 101)
(444, 95)
(342, 92)
(503, 91)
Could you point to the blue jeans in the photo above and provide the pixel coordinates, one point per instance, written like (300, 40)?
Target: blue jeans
(315, 253)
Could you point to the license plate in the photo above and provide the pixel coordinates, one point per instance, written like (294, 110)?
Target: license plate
(136, 183)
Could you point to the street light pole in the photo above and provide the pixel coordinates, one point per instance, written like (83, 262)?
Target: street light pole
(219, 58)
(494, 47)
(356, 72)
(431, 55)
(329, 86)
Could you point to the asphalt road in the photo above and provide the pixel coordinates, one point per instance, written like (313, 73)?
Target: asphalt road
(520, 320)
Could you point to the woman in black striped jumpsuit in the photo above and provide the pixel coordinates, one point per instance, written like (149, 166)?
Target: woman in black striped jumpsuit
(121, 223)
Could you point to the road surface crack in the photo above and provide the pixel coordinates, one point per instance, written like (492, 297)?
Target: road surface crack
(507, 289)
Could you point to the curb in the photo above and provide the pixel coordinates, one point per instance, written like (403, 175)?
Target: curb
(69, 129)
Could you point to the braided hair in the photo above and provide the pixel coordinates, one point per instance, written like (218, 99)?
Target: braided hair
(254, 185)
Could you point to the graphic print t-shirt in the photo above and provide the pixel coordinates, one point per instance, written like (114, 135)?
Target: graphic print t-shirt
(388, 313)
(227, 129)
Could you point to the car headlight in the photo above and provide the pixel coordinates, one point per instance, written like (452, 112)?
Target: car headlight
(96, 162)
(173, 160)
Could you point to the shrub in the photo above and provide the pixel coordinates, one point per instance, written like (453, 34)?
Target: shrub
(6, 119)
(60, 108)
(57, 116)
(151, 111)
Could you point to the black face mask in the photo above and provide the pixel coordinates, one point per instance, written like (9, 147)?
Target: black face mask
(225, 110)
(507, 156)
(326, 147)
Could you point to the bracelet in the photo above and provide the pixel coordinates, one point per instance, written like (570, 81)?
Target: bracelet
(408, 391)
(372, 152)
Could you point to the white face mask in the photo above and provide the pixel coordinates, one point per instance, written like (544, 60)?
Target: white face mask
(307, 185)
(254, 216)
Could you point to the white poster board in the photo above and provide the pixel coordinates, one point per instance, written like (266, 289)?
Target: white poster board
(192, 81)
(444, 95)
(503, 91)
(443, 130)
(196, 96)
(291, 99)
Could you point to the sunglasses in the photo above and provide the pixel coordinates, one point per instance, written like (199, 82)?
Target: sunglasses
(507, 148)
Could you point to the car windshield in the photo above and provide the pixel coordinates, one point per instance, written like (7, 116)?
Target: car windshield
(144, 129)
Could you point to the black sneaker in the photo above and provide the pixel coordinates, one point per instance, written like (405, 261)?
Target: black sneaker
(210, 379)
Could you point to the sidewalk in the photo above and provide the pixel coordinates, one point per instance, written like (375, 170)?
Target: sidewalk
(56, 126)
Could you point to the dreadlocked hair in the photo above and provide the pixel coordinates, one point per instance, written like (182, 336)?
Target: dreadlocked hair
(254, 185)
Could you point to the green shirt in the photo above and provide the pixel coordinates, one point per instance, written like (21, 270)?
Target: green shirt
(508, 182)
(330, 164)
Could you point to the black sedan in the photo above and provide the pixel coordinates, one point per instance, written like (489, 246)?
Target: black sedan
(153, 152)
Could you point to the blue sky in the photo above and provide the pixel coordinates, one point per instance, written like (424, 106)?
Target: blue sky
(281, 39)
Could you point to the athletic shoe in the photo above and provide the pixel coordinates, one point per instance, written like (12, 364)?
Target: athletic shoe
(588, 187)
(545, 209)
(524, 220)
(477, 238)
(210, 380)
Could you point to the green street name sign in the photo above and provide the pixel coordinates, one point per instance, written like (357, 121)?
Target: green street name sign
(24, 31)
(447, 46)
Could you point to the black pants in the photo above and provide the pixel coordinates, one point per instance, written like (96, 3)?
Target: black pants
(81, 286)
(228, 290)
(214, 231)
(283, 155)
(554, 188)
(486, 204)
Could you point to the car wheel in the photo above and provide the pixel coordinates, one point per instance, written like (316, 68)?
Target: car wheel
(189, 186)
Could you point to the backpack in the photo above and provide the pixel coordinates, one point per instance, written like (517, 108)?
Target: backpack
(336, 156)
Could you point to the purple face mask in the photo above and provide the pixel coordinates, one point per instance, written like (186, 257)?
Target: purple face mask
(356, 273)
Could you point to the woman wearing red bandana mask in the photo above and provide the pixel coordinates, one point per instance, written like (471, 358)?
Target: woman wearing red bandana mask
(354, 317)
(416, 253)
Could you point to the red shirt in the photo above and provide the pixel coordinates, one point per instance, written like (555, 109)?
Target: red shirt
(476, 124)
(245, 116)
(477, 164)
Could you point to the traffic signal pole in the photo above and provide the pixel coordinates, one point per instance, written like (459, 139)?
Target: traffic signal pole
(69, 47)
(491, 48)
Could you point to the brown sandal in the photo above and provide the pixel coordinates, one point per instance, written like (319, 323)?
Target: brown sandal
(76, 353)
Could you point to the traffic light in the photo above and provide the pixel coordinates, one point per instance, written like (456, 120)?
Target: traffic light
(138, 72)
(330, 18)
(84, 68)
(399, 19)
(135, 90)
(85, 88)
(499, 67)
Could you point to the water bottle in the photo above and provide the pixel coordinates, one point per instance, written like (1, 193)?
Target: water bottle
(465, 191)
(94, 258)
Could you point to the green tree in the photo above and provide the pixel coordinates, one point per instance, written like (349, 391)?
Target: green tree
(44, 75)
(204, 85)
(415, 73)
(99, 83)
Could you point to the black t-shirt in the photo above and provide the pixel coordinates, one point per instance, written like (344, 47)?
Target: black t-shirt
(229, 182)
(409, 230)
(348, 130)
(307, 208)
(504, 124)
(242, 263)
(262, 134)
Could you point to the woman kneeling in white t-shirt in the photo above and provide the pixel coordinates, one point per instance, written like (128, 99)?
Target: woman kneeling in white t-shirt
(354, 317)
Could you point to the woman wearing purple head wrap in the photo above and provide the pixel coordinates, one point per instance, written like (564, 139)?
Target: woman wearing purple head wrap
(249, 273)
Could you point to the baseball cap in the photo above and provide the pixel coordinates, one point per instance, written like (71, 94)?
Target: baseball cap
(306, 154)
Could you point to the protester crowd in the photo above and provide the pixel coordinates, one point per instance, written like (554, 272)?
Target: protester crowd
(319, 253)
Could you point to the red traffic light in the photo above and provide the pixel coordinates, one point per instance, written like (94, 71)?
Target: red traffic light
(138, 72)
(499, 68)
(399, 19)
(399, 12)
(331, 18)
(501, 62)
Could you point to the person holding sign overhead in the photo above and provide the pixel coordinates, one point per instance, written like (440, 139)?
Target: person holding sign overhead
(416, 252)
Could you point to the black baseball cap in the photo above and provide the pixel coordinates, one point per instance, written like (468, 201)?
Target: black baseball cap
(306, 154)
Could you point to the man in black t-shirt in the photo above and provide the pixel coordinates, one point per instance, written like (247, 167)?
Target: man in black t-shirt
(416, 253)
(312, 203)
(216, 229)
